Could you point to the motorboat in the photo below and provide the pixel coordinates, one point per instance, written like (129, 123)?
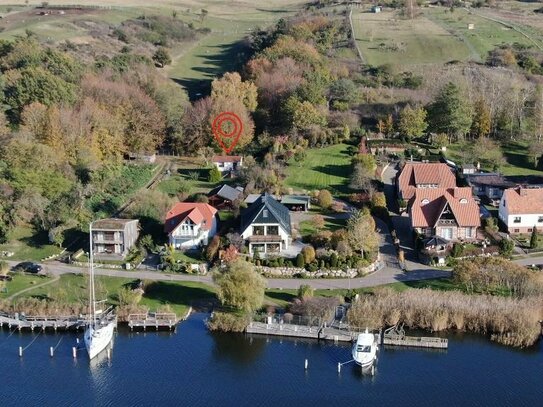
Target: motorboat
(365, 349)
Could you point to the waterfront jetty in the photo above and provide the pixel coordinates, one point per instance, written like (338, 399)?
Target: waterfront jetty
(336, 330)
(153, 320)
(395, 336)
(74, 322)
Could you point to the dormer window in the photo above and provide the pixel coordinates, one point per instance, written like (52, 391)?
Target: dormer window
(463, 201)
(425, 201)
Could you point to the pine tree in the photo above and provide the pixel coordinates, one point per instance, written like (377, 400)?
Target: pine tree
(533, 238)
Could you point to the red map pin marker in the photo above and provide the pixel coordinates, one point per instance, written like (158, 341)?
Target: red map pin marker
(227, 128)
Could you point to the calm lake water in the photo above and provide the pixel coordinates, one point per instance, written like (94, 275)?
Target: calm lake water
(195, 367)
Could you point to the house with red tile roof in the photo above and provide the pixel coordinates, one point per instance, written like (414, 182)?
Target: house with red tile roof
(417, 175)
(190, 224)
(449, 213)
(521, 209)
(227, 163)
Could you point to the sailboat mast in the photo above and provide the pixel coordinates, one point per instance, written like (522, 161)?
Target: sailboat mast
(92, 294)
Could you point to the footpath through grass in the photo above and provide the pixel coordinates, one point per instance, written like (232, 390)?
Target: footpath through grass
(72, 288)
(323, 168)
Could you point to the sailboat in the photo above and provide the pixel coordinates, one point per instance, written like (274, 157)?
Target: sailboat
(99, 331)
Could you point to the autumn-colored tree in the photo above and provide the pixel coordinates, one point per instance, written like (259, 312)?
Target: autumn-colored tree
(309, 254)
(412, 122)
(230, 86)
(361, 233)
(305, 115)
(318, 222)
(325, 199)
(237, 107)
(481, 125)
(378, 199)
(230, 254)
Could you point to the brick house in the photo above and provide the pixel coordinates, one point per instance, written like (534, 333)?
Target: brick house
(415, 175)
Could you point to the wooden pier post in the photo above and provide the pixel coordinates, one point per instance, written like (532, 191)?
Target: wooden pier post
(306, 364)
(74, 352)
(20, 351)
(51, 351)
(338, 367)
(108, 353)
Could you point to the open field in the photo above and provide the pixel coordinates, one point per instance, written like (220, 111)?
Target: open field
(323, 168)
(73, 288)
(515, 153)
(440, 36)
(384, 38)
(486, 34)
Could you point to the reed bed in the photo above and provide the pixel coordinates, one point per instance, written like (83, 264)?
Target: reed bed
(509, 321)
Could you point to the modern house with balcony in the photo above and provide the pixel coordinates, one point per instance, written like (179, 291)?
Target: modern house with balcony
(113, 238)
(266, 227)
(521, 209)
(448, 213)
(190, 224)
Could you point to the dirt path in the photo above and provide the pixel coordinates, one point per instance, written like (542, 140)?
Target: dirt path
(54, 279)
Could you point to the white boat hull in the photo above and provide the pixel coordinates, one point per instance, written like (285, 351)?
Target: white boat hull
(365, 350)
(98, 338)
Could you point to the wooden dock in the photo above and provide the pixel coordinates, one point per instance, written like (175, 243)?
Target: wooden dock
(153, 320)
(415, 341)
(48, 323)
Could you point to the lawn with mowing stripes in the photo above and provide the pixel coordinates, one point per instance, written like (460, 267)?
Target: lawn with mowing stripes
(323, 168)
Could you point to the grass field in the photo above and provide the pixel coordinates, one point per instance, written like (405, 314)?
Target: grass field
(73, 288)
(515, 153)
(421, 41)
(486, 34)
(26, 244)
(323, 168)
(438, 35)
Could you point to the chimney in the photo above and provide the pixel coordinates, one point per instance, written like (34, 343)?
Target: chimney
(522, 191)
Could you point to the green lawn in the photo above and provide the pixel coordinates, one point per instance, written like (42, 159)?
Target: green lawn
(386, 38)
(306, 227)
(20, 282)
(516, 154)
(323, 168)
(73, 288)
(27, 244)
(486, 34)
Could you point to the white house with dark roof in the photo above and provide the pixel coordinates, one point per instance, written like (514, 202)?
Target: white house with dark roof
(521, 209)
(266, 227)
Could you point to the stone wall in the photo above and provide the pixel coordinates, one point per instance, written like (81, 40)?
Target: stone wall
(291, 272)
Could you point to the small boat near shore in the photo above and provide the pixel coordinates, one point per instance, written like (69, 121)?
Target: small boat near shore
(365, 350)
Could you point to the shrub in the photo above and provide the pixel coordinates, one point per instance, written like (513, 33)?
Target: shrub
(214, 175)
(506, 247)
(309, 254)
(533, 238)
(333, 260)
(457, 250)
(213, 248)
(300, 262)
(228, 322)
(305, 291)
(325, 199)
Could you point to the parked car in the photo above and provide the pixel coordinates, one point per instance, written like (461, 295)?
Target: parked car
(5, 277)
(28, 267)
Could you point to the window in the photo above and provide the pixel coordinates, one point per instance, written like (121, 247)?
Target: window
(258, 230)
(469, 232)
(540, 219)
(516, 230)
(447, 233)
(530, 230)
(463, 201)
(265, 213)
(272, 230)
(425, 201)
(516, 219)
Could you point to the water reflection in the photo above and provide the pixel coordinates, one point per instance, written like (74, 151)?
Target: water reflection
(239, 348)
